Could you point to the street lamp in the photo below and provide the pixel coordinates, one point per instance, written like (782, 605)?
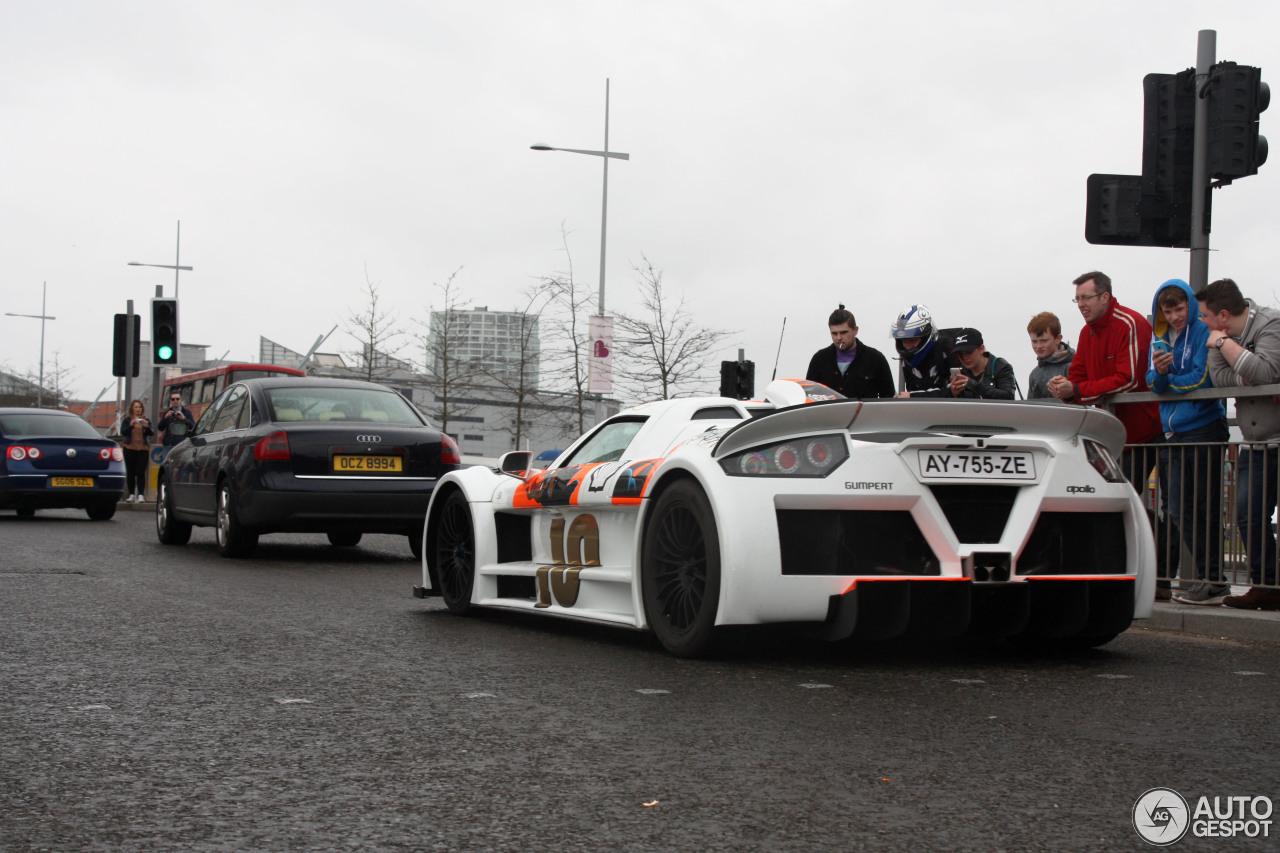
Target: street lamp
(173, 266)
(605, 155)
(41, 317)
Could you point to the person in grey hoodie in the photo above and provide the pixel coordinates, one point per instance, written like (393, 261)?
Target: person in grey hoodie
(1244, 349)
(1053, 354)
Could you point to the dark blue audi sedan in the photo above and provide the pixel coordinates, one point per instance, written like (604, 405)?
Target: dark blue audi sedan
(50, 459)
(303, 454)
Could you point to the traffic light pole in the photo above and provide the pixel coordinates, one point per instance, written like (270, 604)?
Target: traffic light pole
(1206, 48)
(129, 367)
(154, 410)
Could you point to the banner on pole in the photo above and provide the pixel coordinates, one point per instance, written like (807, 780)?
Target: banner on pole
(600, 360)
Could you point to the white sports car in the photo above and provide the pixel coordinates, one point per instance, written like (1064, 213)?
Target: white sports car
(869, 519)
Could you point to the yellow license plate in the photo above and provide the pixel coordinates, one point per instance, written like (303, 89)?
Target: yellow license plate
(72, 482)
(368, 464)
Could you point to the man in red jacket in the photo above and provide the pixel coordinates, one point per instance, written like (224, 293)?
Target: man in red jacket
(1111, 358)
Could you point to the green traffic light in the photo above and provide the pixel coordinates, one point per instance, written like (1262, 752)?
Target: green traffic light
(165, 353)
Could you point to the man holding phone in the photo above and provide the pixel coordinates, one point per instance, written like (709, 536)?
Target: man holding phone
(1195, 434)
(176, 422)
(981, 375)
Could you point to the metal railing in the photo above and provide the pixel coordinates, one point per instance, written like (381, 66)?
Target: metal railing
(1211, 523)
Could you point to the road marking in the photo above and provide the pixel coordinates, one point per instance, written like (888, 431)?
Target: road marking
(1113, 675)
(968, 681)
(650, 691)
(814, 686)
(1249, 672)
(94, 708)
(294, 701)
(479, 696)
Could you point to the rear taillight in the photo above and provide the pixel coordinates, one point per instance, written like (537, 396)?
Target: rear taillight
(19, 452)
(449, 453)
(274, 446)
(111, 454)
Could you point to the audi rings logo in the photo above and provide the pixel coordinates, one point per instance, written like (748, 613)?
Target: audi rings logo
(1161, 816)
(369, 439)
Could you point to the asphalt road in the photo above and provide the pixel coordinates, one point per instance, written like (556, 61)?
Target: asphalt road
(158, 698)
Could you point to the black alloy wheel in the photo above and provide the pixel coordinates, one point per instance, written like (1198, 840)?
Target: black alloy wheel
(455, 553)
(680, 571)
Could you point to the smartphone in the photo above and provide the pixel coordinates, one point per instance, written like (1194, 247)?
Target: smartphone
(955, 371)
(1158, 346)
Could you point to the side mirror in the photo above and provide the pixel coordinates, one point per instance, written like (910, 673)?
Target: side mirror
(515, 462)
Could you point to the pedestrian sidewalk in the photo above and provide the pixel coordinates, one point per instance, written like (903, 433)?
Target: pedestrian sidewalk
(1222, 622)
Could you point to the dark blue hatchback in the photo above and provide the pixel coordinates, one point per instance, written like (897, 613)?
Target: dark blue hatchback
(51, 459)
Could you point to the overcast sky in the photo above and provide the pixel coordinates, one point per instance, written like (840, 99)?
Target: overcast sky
(785, 157)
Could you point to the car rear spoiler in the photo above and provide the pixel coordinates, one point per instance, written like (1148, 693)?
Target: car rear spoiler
(879, 419)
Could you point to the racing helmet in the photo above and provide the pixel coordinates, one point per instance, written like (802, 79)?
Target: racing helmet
(914, 323)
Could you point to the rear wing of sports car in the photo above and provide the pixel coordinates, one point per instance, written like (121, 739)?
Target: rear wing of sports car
(898, 419)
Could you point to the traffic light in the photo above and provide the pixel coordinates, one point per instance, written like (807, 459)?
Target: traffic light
(1236, 96)
(119, 353)
(1168, 140)
(1113, 210)
(164, 331)
(738, 379)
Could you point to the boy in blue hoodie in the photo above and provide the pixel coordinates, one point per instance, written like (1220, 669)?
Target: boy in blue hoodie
(1195, 432)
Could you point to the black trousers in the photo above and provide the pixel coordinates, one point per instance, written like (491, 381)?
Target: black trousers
(135, 471)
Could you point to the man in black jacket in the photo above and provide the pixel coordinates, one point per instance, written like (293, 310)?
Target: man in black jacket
(854, 369)
(982, 375)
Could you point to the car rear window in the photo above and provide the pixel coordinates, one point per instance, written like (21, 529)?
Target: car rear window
(40, 424)
(345, 405)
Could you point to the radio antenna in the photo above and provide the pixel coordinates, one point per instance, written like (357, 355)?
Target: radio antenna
(779, 355)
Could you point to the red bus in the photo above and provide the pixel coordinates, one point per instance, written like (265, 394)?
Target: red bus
(199, 388)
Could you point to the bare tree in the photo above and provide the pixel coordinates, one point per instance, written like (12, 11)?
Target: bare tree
(569, 307)
(380, 338)
(52, 390)
(664, 352)
(449, 375)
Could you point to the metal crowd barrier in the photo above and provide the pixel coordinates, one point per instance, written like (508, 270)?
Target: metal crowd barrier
(1220, 530)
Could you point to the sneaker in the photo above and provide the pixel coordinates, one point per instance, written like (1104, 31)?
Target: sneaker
(1255, 599)
(1163, 593)
(1203, 593)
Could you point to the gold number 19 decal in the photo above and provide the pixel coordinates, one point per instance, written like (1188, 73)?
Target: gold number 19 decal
(559, 583)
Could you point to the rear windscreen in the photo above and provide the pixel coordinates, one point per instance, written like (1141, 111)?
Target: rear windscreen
(349, 405)
(45, 425)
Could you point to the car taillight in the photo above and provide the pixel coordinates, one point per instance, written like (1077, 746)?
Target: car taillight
(111, 454)
(1102, 461)
(805, 457)
(449, 452)
(274, 446)
(18, 452)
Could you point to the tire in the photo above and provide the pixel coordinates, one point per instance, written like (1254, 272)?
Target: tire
(415, 544)
(680, 571)
(455, 553)
(234, 539)
(169, 530)
(344, 538)
(26, 512)
(101, 511)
